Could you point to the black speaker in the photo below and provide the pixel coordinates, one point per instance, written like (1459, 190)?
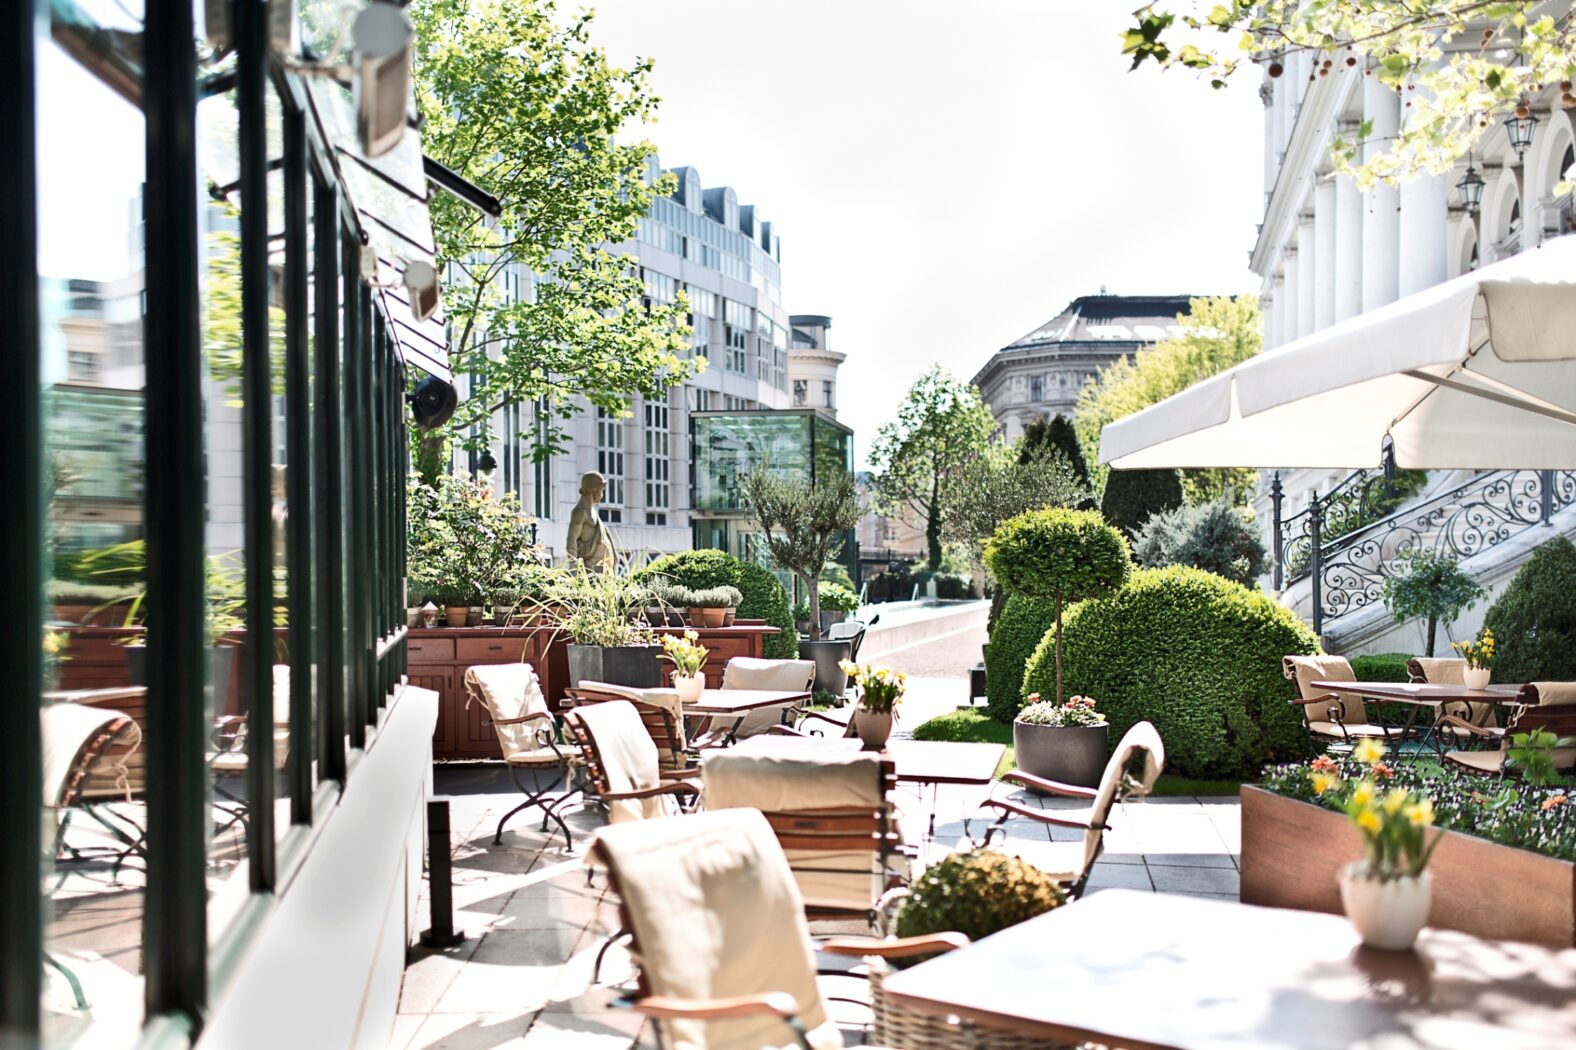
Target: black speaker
(433, 402)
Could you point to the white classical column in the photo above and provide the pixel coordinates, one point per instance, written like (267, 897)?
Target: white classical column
(1423, 255)
(1324, 258)
(1381, 220)
(1288, 325)
(1271, 99)
(1275, 321)
(1307, 273)
(1348, 244)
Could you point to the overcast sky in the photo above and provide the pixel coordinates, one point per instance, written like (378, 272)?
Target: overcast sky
(946, 176)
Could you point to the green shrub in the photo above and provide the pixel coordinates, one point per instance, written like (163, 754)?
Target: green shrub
(1214, 537)
(1197, 655)
(837, 598)
(1534, 620)
(976, 893)
(764, 597)
(1131, 496)
(836, 572)
(1024, 620)
(1381, 667)
(1432, 586)
(121, 565)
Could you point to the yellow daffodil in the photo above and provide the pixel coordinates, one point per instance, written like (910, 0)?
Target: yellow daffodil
(1363, 794)
(1323, 782)
(1395, 800)
(1368, 820)
(1368, 751)
(1421, 813)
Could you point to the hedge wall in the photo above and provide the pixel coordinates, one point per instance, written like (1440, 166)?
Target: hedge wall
(1534, 618)
(1197, 655)
(1019, 628)
(764, 597)
(1381, 667)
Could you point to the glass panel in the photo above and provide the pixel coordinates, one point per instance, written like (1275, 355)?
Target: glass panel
(90, 144)
(727, 447)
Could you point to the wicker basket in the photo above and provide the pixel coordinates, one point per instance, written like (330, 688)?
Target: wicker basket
(897, 1026)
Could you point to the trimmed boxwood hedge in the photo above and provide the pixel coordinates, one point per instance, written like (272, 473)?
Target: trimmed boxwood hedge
(1534, 618)
(1197, 655)
(764, 597)
(1022, 623)
(1381, 667)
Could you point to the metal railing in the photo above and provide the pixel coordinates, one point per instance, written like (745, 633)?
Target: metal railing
(1348, 574)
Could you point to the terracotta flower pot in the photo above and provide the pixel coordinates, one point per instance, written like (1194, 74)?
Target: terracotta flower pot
(703, 617)
(1387, 914)
(456, 615)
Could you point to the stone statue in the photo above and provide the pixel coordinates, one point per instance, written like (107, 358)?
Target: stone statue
(590, 541)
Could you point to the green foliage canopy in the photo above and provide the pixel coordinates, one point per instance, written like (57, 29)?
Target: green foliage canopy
(941, 425)
(519, 101)
(1216, 537)
(997, 485)
(1433, 586)
(802, 523)
(1534, 618)
(1132, 497)
(1195, 654)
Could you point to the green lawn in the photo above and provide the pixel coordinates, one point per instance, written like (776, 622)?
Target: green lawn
(976, 728)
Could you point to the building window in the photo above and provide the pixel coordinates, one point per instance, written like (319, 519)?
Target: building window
(82, 366)
(511, 448)
(1036, 388)
(610, 463)
(702, 401)
(826, 394)
(801, 393)
(658, 490)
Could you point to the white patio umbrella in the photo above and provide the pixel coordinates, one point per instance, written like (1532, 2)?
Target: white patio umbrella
(1476, 373)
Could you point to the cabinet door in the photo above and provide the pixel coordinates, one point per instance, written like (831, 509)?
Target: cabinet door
(441, 681)
(473, 739)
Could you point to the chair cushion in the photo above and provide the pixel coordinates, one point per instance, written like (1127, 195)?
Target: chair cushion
(1357, 730)
(1140, 743)
(628, 759)
(1305, 670)
(66, 729)
(797, 777)
(748, 672)
(1555, 694)
(715, 912)
(1481, 761)
(510, 691)
(668, 699)
(1440, 670)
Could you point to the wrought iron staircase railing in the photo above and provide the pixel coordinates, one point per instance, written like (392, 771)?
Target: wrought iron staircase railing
(1348, 573)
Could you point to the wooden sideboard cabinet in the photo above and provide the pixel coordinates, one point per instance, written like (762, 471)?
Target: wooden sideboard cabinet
(440, 655)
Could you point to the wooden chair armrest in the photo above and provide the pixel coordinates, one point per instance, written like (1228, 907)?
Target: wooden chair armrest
(538, 716)
(1055, 787)
(90, 696)
(1460, 723)
(1041, 816)
(1323, 698)
(780, 1004)
(679, 774)
(677, 787)
(895, 947)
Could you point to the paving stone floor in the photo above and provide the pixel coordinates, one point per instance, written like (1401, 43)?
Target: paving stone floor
(522, 978)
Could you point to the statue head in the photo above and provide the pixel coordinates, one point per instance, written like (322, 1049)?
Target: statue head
(592, 486)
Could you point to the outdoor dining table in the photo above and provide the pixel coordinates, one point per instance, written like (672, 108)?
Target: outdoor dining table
(723, 710)
(1420, 696)
(1147, 971)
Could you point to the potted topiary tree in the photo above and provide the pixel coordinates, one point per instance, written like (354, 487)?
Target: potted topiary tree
(1431, 586)
(803, 523)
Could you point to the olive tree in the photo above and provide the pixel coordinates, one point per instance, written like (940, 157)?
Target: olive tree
(803, 523)
(1064, 555)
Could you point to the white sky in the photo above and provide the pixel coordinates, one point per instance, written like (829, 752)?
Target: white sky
(946, 176)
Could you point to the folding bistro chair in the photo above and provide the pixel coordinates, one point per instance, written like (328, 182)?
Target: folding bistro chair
(622, 764)
(660, 710)
(747, 672)
(1069, 863)
(1546, 706)
(833, 815)
(527, 735)
(1333, 719)
(1452, 671)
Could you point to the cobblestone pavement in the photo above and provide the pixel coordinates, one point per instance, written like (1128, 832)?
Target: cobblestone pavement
(533, 926)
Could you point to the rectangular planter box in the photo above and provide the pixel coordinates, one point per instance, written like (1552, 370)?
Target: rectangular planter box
(1292, 852)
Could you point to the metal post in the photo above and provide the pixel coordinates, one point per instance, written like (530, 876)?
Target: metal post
(440, 878)
(298, 468)
(353, 492)
(257, 654)
(1388, 465)
(1275, 529)
(175, 897)
(1546, 495)
(1316, 556)
(21, 539)
(327, 464)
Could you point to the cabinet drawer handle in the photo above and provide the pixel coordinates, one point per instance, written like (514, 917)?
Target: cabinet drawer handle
(495, 648)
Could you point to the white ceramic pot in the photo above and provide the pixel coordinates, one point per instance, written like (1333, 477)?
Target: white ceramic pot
(872, 728)
(1386, 914)
(1476, 677)
(688, 686)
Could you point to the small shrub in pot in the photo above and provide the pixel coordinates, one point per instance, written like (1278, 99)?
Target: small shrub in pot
(977, 893)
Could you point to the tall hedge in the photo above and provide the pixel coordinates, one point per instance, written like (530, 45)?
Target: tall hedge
(1014, 638)
(1131, 496)
(1534, 619)
(764, 597)
(1197, 655)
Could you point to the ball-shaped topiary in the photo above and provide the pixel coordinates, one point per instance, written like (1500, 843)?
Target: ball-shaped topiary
(1065, 555)
(1016, 635)
(977, 894)
(764, 597)
(1534, 618)
(1195, 654)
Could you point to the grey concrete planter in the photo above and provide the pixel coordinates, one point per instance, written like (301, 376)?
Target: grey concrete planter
(632, 665)
(828, 676)
(1070, 754)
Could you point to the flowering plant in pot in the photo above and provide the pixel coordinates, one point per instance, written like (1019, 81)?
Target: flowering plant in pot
(880, 691)
(688, 657)
(1387, 894)
(1479, 655)
(1063, 742)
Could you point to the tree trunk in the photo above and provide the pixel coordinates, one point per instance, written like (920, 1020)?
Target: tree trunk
(813, 584)
(1430, 646)
(1059, 699)
(933, 538)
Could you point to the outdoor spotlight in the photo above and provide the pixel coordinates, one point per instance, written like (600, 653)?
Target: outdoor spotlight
(1518, 128)
(421, 281)
(1471, 189)
(368, 257)
(381, 37)
(433, 402)
(486, 466)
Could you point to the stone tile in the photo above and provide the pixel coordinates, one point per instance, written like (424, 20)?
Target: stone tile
(1120, 876)
(429, 976)
(1190, 860)
(584, 1031)
(405, 1029)
(559, 875)
(509, 971)
(570, 909)
(1197, 880)
(472, 1031)
(1110, 856)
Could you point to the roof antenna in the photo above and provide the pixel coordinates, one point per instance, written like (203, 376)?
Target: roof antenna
(1102, 289)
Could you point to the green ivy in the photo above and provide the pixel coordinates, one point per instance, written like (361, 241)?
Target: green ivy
(1195, 654)
(1024, 620)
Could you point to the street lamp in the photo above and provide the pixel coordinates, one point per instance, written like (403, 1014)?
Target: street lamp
(1470, 187)
(1518, 128)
